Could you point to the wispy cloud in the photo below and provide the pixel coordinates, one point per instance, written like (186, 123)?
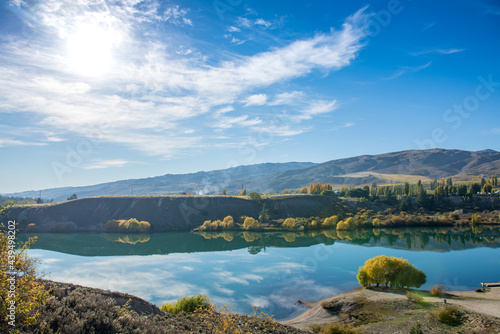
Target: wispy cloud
(437, 51)
(4, 142)
(408, 69)
(428, 26)
(256, 100)
(286, 98)
(346, 125)
(108, 164)
(150, 94)
(317, 108)
(495, 131)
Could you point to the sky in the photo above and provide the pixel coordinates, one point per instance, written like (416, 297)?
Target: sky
(94, 91)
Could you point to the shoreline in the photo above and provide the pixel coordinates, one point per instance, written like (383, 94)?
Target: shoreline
(347, 305)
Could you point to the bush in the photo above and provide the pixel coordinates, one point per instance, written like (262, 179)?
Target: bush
(58, 228)
(255, 197)
(416, 329)
(30, 293)
(187, 304)
(439, 290)
(448, 315)
(331, 222)
(289, 223)
(332, 328)
(250, 224)
(228, 222)
(127, 226)
(476, 219)
(413, 297)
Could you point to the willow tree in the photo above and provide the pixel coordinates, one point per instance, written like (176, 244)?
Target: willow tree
(390, 271)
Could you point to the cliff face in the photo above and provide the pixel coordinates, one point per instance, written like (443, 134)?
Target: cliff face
(164, 213)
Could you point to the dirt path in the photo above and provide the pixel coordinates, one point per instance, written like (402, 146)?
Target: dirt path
(485, 302)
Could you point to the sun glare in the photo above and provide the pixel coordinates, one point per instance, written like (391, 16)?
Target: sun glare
(90, 50)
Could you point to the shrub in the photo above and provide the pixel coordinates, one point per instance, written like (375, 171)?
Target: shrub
(187, 304)
(228, 222)
(476, 219)
(454, 215)
(112, 225)
(30, 293)
(132, 225)
(332, 328)
(127, 226)
(448, 315)
(416, 329)
(144, 226)
(58, 228)
(331, 221)
(31, 228)
(413, 297)
(255, 197)
(439, 290)
(250, 224)
(289, 223)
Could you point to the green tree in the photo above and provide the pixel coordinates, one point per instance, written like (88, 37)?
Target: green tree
(72, 197)
(487, 188)
(462, 190)
(406, 190)
(264, 215)
(474, 188)
(254, 196)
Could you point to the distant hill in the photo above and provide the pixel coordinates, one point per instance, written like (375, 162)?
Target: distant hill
(275, 177)
(390, 167)
(212, 182)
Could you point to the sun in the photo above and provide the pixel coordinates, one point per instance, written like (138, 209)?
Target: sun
(90, 50)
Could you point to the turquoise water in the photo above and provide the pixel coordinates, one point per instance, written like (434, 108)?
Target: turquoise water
(271, 271)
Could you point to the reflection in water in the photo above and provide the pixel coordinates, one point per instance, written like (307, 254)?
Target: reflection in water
(268, 270)
(128, 238)
(421, 238)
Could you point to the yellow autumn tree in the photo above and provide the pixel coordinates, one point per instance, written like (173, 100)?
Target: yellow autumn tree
(19, 284)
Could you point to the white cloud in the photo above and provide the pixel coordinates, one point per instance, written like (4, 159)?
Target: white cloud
(108, 164)
(286, 98)
(233, 29)
(437, 51)
(151, 94)
(495, 130)
(256, 100)
(279, 130)
(225, 122)
(408, 69)
(317, 108)
(346, 125)
(5, 142)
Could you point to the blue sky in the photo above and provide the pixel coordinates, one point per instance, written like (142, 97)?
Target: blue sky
(94, 91)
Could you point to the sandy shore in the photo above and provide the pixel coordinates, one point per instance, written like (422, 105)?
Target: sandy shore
(487, 303)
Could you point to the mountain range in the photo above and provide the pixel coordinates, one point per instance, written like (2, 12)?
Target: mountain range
(394, 167)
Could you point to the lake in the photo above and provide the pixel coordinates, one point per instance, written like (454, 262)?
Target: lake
(268, 270)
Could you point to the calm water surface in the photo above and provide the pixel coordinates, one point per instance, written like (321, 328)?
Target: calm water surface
(268, 270)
